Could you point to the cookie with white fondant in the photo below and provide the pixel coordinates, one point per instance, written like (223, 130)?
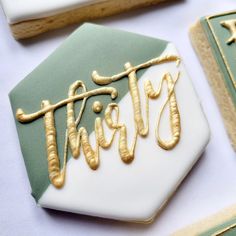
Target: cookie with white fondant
(29, 18)
(113, 127)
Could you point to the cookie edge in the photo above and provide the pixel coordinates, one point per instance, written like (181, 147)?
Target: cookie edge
(215, 78)
(31, 28)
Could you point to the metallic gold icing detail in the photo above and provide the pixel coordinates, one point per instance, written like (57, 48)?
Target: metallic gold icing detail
(97, 107)
(130, 71)
(126, 155)
(134, 92)
(231, 26)
(174, 111)
(77, 139)
(102, 80)
(174, 115)
(81, 138)
(22, 117)
(219, 47)
(56, 176)
(224, 230)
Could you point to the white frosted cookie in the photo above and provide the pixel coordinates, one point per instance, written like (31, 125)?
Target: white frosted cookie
(127, 120)
(29, 18)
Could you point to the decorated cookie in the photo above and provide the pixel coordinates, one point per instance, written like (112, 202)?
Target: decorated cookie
(109, 125)
(214, 38)
(219, 224)
(28, 18)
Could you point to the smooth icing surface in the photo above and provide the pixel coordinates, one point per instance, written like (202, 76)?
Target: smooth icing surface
(137, 191)
(22, 10)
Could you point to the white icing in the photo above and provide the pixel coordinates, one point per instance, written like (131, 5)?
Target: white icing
(23, 10)
(137, 191)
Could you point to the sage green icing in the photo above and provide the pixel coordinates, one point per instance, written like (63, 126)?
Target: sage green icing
(229, 51)
(230, 232)
(89, 48)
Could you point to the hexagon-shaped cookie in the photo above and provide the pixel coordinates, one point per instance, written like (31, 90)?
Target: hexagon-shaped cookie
(144, 164)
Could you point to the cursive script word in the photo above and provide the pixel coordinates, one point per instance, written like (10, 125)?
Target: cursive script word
(77, 139)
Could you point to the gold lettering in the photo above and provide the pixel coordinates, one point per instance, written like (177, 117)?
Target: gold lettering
(97, 107)
(78, 138)
(130, 71)
(174, 111)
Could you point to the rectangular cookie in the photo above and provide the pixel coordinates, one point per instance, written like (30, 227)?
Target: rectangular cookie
(28, 18)
(104, 125)
(214, 39)
(219, 224)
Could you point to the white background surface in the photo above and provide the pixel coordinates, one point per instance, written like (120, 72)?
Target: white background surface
(209, 187)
